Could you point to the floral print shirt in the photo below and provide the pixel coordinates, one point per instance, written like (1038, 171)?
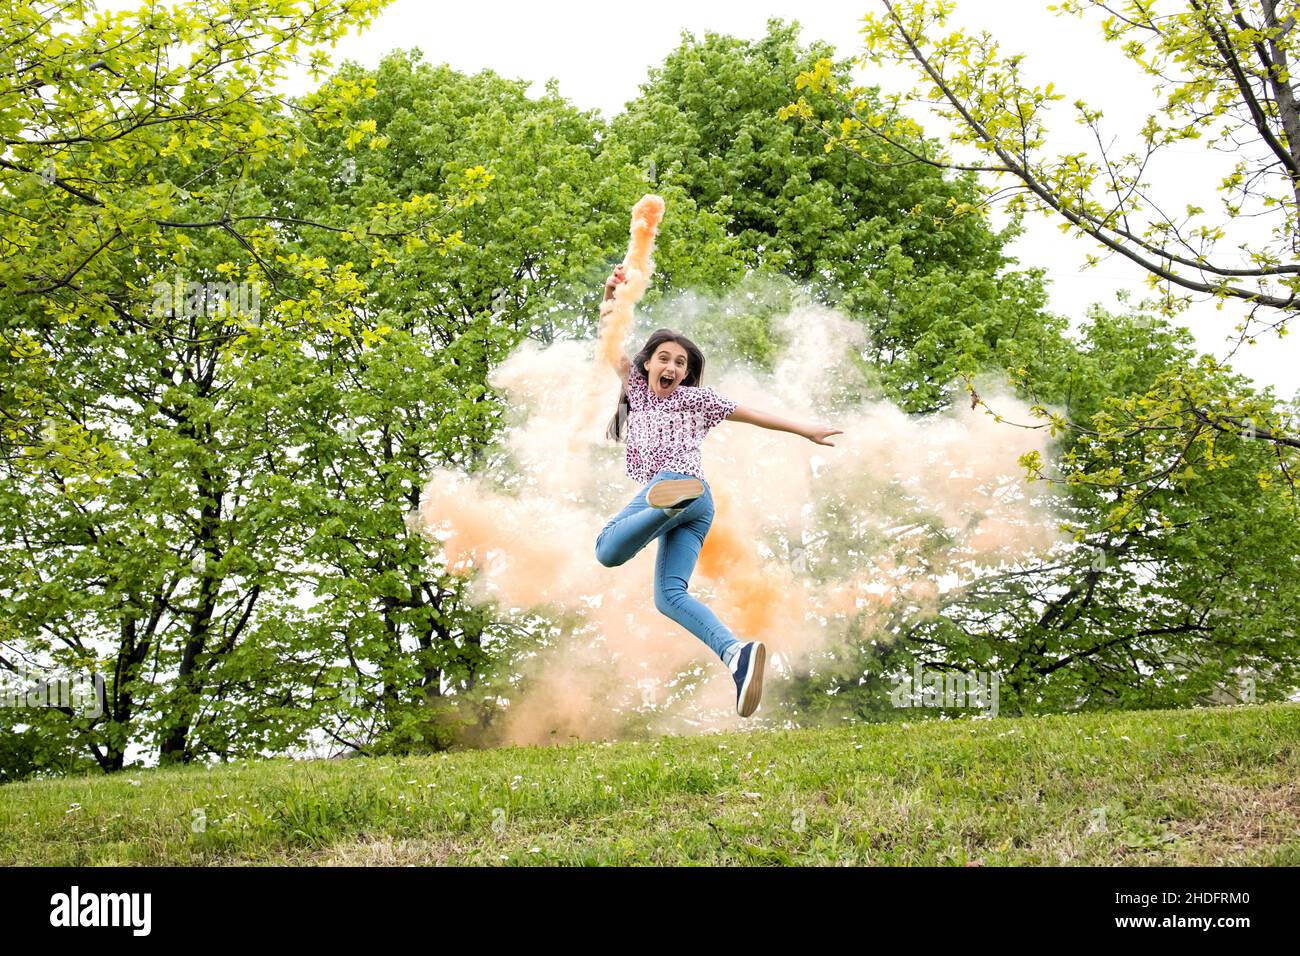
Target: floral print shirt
(664, 434)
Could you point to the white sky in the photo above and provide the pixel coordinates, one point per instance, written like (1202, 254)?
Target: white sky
(599, 59)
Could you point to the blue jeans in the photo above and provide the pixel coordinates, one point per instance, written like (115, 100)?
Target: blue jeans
(680, 538)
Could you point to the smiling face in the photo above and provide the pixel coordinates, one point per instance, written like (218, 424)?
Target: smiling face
(666, 368)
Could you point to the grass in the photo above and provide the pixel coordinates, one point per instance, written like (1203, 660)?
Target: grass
(1213, 786)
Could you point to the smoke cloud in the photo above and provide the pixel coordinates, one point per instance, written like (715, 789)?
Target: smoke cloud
(806, 539)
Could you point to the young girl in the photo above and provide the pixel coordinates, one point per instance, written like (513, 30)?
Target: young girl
(668, 411)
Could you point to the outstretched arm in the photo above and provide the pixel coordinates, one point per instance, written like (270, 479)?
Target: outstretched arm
(752, 416)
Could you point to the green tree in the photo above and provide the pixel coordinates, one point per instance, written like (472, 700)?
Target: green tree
(880, 241)
(1232, 85)
(151, 412)
(1179, 589)
(89, 105)
(1182, 517)
(530, 262)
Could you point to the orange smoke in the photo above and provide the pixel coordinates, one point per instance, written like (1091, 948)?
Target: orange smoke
(808, 545)
(757, 598)
(638, 267)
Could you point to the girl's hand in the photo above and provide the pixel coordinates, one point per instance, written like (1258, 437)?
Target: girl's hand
(819, 433)
(614, 279)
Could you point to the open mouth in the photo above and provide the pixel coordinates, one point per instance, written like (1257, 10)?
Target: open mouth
(666, 382)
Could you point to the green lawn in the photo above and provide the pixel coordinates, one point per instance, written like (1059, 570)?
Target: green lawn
(1210, 786)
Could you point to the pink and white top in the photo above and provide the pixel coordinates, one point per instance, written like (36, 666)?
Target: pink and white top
(664, 434)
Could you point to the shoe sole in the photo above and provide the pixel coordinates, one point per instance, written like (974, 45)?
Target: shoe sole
(671, 492)
(752, 690)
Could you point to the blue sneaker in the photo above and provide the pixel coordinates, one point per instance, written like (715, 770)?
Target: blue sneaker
(747, 670)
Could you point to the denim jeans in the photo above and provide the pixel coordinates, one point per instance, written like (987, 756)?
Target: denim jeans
(680, 538)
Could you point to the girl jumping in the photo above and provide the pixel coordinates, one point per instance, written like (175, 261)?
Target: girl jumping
(667, 412)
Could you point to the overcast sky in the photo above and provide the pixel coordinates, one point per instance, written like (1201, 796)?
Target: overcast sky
(599, 57)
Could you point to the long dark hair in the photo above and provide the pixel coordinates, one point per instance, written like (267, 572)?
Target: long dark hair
(694, 374)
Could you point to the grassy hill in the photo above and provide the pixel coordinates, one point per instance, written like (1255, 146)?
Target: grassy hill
(1210, 786)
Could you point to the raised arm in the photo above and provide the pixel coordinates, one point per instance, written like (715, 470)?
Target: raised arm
(812, 432)
(624, 363)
